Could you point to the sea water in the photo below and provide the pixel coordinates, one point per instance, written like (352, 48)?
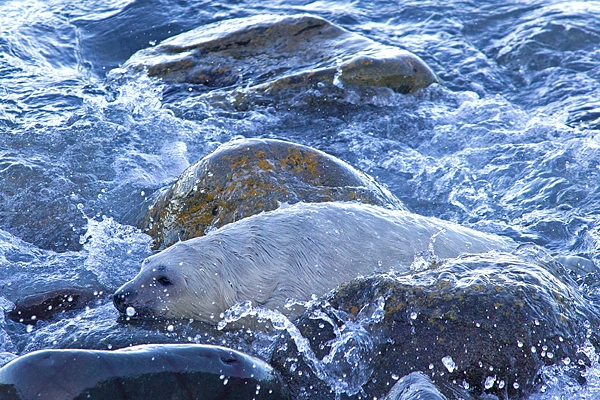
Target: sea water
(508, 143)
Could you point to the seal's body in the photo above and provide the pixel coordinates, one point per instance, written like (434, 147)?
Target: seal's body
(292, 252)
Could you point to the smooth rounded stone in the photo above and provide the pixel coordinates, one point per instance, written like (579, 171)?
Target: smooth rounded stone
(245, 177)
(141, 372)
(477, 325)
(43, 306)
(269, 52)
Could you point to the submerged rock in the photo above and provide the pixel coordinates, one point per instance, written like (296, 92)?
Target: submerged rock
(270, 52)
(46, 305)
(246, 177)
(142, 372)
(476, 325)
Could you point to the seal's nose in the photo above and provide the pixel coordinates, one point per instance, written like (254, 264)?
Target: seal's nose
(122, 299)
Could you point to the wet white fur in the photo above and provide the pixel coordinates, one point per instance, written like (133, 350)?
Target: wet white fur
(294, 252)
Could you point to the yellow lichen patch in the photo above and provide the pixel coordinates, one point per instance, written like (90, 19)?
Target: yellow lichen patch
(299, 162)
(262, 163)
(239, 164)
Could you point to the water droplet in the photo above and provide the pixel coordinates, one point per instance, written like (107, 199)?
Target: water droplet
(29, 328)
(413, 315)
(516, 385)
(449, 363)
(501, 384)
(519, 343)
(533, 349)
(395, 377)
(489, 382)
(130, 311)
(170, 328)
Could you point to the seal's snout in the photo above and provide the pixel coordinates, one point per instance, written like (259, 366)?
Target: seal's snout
(123, 298)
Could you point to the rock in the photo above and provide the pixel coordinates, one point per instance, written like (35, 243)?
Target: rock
(42, 306)
(271, 52)
(142, 372)
(246, 177)
(477, 325)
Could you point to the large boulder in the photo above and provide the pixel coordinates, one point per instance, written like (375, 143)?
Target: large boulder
(142, 372)
(476, 325)
(269, 52)
(246, 177)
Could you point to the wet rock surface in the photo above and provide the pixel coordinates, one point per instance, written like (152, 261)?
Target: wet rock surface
(246, 177)
(476, 325)
(42, 306)
(273, 52)
(142, 372)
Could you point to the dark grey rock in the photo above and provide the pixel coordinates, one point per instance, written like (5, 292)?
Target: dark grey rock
(143, 372)
(484, 325)
(272, 52)
(46, 305)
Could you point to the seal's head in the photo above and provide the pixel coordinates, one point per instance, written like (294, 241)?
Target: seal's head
(179, 282)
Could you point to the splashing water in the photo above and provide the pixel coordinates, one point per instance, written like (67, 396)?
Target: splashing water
(344, 368)
(114, 251)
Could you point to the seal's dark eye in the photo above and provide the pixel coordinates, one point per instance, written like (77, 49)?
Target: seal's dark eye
(164, 281)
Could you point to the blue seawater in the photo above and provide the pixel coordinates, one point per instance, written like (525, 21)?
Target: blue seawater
(509, 143)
